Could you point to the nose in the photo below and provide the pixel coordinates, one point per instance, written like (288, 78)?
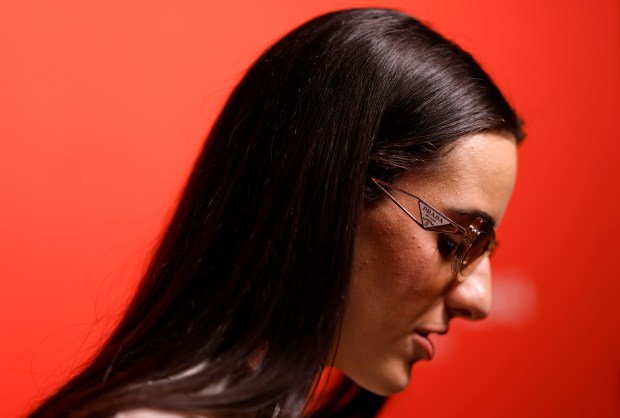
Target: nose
(471, 298)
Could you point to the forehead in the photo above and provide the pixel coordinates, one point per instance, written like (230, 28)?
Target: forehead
(476, 175)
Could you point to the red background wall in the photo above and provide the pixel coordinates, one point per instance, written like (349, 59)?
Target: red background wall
(103, 106)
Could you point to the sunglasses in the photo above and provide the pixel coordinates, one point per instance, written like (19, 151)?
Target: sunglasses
(476, 241)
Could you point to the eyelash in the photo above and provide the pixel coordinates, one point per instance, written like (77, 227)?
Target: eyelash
(446, 245)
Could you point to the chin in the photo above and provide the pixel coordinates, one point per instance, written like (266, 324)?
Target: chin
(384, 384)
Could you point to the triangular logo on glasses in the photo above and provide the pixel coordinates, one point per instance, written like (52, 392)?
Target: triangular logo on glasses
(431, 218)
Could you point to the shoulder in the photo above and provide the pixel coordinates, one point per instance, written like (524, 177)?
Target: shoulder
(152, 413)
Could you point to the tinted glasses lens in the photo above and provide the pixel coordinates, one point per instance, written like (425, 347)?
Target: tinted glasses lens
(478, 239)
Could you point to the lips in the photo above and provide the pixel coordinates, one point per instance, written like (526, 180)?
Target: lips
(427, 345)
(421, 338)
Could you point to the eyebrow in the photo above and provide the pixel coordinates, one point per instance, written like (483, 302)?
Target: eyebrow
(474, 213)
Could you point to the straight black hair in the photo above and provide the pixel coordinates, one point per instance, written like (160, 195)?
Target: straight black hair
(240, 307)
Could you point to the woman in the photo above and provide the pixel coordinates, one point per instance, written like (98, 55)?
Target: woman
(341, 211)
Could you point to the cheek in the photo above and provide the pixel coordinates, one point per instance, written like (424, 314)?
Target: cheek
(394, 275)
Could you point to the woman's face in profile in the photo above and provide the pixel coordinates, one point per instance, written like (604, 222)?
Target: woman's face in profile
(402, 287)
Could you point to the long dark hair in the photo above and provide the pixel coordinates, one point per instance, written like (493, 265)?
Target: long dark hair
(240, 307)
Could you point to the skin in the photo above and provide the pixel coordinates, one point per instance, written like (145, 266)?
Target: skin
(401, 284)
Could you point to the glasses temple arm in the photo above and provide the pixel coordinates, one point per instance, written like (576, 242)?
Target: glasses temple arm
(380, 184)
(393, 199)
